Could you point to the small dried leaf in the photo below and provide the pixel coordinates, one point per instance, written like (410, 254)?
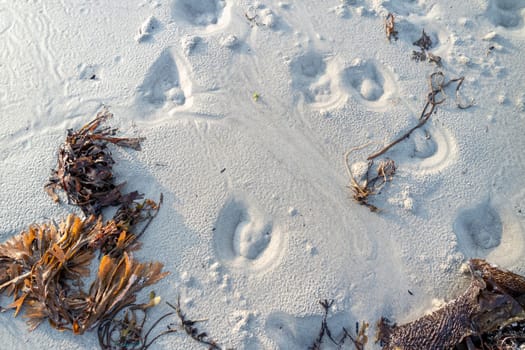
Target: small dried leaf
(18, 304)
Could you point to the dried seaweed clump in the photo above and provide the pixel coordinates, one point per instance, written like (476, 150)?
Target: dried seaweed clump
(117, 237)
(84, 169)
(494, 301)
(43, 269)
(373, 181)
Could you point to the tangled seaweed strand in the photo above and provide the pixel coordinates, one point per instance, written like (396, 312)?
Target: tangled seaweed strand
(386, 168)
(84, 169)
(127, 332)
(117, 238)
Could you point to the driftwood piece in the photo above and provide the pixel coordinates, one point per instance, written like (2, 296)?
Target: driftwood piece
(493, 299)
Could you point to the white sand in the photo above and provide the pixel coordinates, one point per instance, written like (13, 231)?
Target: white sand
(254, 247)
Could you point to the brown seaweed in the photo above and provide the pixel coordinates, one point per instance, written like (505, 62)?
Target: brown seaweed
(129, 330)
(43, 269)
(84, 169)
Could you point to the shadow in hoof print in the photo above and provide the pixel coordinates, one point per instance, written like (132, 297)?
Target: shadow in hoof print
(316, 79)
(432, 149)
(291, 332)
(306, 71)
(162, 84)
(491, 230)
(370, 83)
(479, 230)
(245, 237)
(506, 13)
(200, 13)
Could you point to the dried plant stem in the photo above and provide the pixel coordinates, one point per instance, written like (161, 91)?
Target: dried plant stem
(423, 119)
(15, 280)
(150, 219)
(347, 165)
(437, 85)
(190, 328)
(386, 168)
(148, 344)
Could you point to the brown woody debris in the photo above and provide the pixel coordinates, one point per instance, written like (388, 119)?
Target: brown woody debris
(494, 300)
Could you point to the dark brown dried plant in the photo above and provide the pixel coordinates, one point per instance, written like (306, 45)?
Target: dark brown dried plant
(372, 184)
(390, 27)
(43, 267)
(119, 332)
(190, 327)
(359, 340)
(115, 237)
(424, 42)
(84, 169)
(489, 314)
(127, 329)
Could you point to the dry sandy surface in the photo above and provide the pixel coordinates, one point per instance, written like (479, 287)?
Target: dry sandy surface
(247, 108)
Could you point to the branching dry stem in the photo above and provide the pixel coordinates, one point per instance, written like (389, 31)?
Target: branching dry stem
(436, 96)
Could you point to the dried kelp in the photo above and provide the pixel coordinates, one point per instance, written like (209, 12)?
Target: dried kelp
(43, 269)
(494, 299)
(118, 280)
(510, 337)
(324, 330)
(84, 170)
(115, 237)
(47, 251)
(424, 42)
(386, 167)
(128, 332)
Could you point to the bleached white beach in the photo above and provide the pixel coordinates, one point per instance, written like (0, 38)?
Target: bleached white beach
(247, 109)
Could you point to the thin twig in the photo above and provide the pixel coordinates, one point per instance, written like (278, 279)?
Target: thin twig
(349, 171)
(150, 219)
(422, 122)
(437, 85)
(191, 330)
